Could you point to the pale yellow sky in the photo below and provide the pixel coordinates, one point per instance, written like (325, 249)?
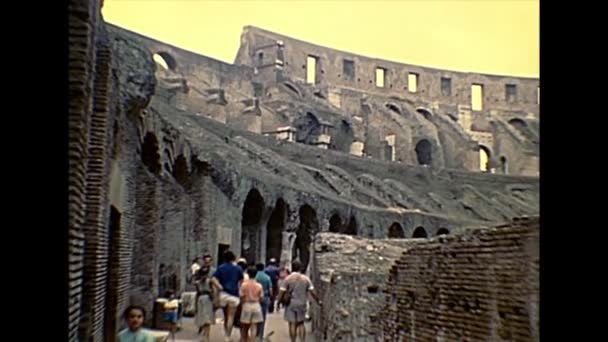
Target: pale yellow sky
(495, 37)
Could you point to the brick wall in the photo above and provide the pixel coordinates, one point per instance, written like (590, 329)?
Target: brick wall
(97, 213)
(81, 33)
(482, 285)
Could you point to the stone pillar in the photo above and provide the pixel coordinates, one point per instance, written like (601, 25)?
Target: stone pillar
(289, 239)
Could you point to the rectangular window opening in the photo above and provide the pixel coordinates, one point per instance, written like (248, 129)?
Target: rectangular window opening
(380, 74)
(311, 70)
(446, 86)
(348, 69)
(511, 93)
(477, 97)
(412, 82)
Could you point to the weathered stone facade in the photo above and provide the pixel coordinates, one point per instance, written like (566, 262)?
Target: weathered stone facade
(168, 164)
(477, 285)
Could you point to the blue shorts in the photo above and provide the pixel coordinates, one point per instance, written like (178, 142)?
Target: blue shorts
(170, 316)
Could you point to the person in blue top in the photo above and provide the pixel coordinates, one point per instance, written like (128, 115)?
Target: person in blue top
(135, 316)
(264, 280)
(273, 272)
(226, 279)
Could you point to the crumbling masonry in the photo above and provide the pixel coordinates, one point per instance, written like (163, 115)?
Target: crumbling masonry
(174, 154)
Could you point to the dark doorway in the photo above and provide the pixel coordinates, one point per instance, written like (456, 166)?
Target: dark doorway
(396, 231)
(443, 231)
(274, 229)
(420, 233)
(150, 155)
(221, 248)
(351, 229)
(335, 224)
(250, 226)
(112, 278)
(309, 226)
(424, 152)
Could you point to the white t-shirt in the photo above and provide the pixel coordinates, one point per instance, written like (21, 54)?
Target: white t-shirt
(194, 268)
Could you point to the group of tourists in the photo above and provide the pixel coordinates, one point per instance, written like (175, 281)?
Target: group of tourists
(245, 292)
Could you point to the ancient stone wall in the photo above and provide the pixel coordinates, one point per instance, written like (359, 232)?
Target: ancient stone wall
(83, 16)
(330, 66)
(482, 285)
(349, 275)
(154, 182)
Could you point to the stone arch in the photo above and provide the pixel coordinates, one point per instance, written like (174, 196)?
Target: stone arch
(351, 228)
(292, 87)
(424, 152)
(427, 113)
(420, 232)
(180, 170)
(442, 231)
(335, 223)
(393, 107)
(309, 226)
(396, 231)
(308, 128)
(150, 154)
(343, 137)
(518, 123)
(275, 228)
(250, 225)
(485, 155)
(165, 60)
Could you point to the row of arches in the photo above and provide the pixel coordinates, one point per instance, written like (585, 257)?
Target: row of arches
(262, 235)
(252, 222)
(396, 231)
(178, 167)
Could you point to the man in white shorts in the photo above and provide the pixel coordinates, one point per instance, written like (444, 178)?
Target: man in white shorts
(226, 280)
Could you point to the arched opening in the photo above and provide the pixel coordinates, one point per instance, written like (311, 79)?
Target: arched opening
(165, 60)
(180, 170)
(343, 137)
(274, 229)
(351, 229)
(518, 123)
(420, 232)
(250, 225)
(424, 152)
(308, 128)
(335, 223)
(292, 88)
(425, 112)
(393, 107)
(504, 167)
(115, 244)
(396, 231)
(150, 155)
(309, 226)
(484, 158)
(442, 231)
(356, 148)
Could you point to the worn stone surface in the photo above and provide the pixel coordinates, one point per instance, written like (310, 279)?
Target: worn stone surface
(480, 285)
(350, 273)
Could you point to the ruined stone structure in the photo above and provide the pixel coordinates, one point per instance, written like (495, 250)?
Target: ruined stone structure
(190, 155)
(476, 285)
